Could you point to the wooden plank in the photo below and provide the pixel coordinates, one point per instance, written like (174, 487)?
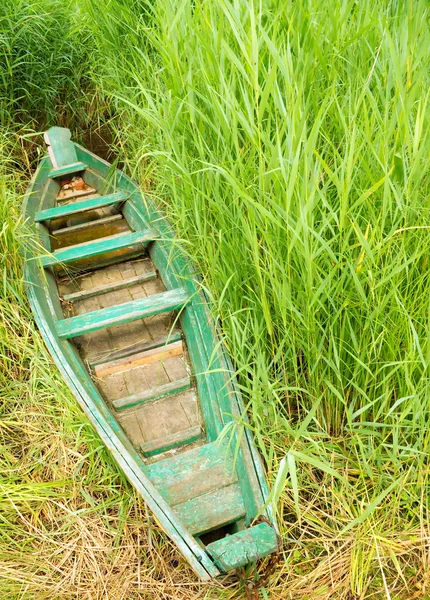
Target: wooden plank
(61, 149)
(175, 367)
(138, 360)
(189, 474)
(86, 225)
(175, 440)
(241, 548)
(88, 234)
(70, 194)
(190, 406)
(98, 262)
(174, 336)
(67, 170)
(110, 287)
(95, 248)
(66, 210)
(212, 510)
(121, 313)
(169, 389)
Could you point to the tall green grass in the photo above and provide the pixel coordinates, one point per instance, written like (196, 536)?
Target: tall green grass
(45, 65)
(289, 144)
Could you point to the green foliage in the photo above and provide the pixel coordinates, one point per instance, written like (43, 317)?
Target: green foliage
(45, 63)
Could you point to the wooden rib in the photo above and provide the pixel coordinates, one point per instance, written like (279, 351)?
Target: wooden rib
(174, 336)
(110, 287)
(169, 389)
(87, 224)
(138, 360)
(175, 440)
(64, 196)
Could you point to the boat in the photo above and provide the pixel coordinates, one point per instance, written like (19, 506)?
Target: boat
(123, 314)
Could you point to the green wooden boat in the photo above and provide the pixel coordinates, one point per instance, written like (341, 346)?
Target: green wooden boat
(124, 318)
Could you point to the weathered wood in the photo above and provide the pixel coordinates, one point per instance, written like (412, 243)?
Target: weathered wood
(86, 225)
(74, 208)
(175, 367)
(172, 441)
(61, 149)
(193, 473)
(169, 389)
(174, 336)
(75, 374)
(122, 313)
(95, 248)
(65, 196)
(110, 287)
(67, 170)
(237, 550)
(211, 510)
(159, 419)
(94, 263)
(154, 354)
(93, 232)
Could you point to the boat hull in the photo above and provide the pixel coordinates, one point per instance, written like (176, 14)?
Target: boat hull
(221, 408)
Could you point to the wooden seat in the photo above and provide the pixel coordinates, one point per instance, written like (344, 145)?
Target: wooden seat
(62, 153)
(201, 485)
(74, 208)
(122, 313)
(241, 548)
(72, 169)
(194, 472)
(97, 247)
(213, 510)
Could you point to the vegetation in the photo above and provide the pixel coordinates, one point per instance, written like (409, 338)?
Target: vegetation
(289, 144)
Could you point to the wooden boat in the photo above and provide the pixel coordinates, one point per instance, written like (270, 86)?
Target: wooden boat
(127, 324)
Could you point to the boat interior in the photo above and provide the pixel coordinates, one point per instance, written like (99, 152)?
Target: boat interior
(126, 322)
